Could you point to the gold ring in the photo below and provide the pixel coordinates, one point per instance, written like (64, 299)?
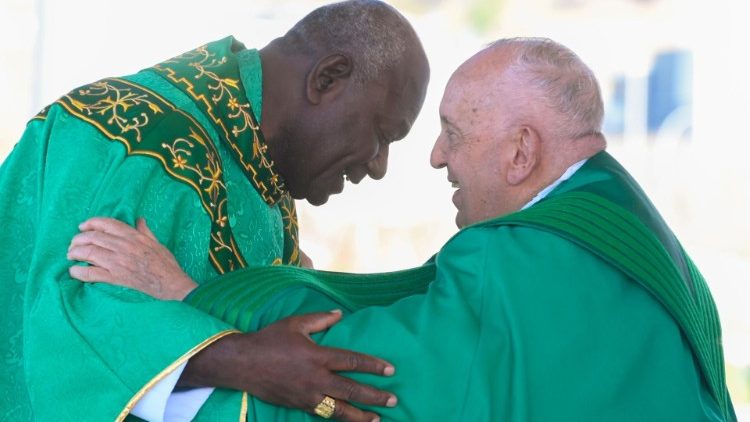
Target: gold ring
(325, 408)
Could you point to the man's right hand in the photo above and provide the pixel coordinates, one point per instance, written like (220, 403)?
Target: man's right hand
(280, 364)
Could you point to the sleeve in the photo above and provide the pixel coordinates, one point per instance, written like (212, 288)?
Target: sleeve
(435, 340)
(94, 348)
(162, 403)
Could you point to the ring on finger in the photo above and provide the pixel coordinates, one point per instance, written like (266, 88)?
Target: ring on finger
(326, 407)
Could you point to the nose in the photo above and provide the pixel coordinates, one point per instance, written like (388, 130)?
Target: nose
(377, 167)
(437, 156)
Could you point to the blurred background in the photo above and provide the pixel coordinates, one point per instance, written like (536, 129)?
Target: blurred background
(673, 75)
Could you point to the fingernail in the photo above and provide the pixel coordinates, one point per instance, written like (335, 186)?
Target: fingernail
(336, 311)
(376, 419)
(392, 401)
(389, 370)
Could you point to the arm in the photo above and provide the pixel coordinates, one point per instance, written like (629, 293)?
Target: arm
(279, 364)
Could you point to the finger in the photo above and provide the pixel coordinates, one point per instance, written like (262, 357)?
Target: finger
(319, 321)
(345, 360)
(90, 274)
(92, 254)
(104, 240)
(346, 412)
(107, 225)
(142, 227)
(352, 391)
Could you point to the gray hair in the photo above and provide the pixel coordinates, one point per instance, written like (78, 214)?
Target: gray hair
(373, 34)
(567, 84)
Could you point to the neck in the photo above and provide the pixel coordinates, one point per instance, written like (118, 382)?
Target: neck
(560, 161)
(273, 68)
(283, 89)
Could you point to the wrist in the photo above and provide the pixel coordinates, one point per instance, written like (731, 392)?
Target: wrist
(184, 289)
(216, 365)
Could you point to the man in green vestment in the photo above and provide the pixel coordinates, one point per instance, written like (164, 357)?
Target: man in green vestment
(564, 296)
(209, 146)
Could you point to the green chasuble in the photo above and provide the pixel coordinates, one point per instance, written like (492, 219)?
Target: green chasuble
(582, 308)
(178, 144)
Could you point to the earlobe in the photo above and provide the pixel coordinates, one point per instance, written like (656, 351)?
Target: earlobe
(328, 77)
(527, 147)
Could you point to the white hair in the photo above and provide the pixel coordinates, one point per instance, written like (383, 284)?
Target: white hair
(566, 83)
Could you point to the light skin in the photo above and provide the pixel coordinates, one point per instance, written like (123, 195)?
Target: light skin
(321, 126)
(498, 143)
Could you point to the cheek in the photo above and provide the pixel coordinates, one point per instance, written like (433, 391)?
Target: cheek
(484, 186)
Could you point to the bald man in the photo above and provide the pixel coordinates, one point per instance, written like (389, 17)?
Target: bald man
(564, 296)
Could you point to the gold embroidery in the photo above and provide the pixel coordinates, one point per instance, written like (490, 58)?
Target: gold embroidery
(120, 109)
(210, 76)
(42, 115)
(226, 93)
(243, 408)
(291, 227)
(114, 100)
(168, 370)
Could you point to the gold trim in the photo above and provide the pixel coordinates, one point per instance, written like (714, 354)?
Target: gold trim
(243, 408)
(236, 112)
(169, 369)
(223, 251)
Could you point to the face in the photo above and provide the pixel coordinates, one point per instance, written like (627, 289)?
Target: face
(349, 136)
(477, 127)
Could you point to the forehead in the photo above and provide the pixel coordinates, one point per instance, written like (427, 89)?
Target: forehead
(398, 99)
(483, 83)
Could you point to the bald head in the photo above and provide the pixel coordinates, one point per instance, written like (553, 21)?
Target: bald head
(515, 116)
(375, 35)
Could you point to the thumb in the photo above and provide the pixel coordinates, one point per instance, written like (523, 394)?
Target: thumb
(142, 227)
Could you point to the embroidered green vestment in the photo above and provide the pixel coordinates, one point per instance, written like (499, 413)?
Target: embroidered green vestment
(178, 144)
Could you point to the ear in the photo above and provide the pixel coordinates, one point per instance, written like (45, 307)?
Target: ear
(526, 155)
(328, 77)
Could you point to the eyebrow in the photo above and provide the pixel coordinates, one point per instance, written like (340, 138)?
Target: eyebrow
(447, 122)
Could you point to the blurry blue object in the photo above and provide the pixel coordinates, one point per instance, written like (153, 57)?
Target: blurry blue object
(670, 89)
(614, 114)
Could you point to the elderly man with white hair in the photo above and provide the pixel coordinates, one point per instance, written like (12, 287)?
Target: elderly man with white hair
(563, 297)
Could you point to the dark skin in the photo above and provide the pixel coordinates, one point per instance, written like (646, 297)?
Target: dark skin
(281, 364)
(321, 125)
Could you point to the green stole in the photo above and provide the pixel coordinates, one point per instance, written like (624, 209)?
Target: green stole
(149, 125)
(624, 230)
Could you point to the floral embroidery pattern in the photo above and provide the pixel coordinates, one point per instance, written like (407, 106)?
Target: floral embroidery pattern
(125, 112)
(201, 71)
(210, 76)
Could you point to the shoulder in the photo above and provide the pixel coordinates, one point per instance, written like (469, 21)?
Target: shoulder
(505, 240)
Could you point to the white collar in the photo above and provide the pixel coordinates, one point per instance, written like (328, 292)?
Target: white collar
(565, 176)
